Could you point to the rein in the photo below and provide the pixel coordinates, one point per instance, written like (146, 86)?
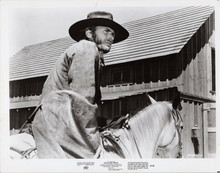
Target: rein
(24, 154)
(29, 118)
(178, 125)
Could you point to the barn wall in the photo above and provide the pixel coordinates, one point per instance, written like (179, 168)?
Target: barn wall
(123, 106)
(192, 135)
(132, 104)
(26, 87)
(24, 94)
(196, 62)
(19, 116)
(190, 70)
(155, 72)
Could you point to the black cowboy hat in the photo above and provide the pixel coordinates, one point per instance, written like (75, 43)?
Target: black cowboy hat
(98, 18)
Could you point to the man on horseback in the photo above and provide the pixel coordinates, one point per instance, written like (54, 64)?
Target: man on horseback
(65, 124)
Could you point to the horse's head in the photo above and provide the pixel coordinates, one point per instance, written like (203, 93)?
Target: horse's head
(170, 145)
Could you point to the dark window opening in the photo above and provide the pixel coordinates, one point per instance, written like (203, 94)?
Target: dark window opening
(19, 116)
(26, 87)
(124, 107)
(116, 77)
(121, 76)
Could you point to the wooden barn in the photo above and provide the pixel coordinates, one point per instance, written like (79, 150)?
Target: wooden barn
(165, 54)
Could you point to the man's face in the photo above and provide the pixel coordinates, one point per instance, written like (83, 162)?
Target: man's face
(103, 37)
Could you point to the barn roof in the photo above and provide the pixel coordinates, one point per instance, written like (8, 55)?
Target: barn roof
(150, 37)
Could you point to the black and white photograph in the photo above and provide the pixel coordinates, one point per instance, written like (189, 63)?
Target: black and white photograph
(91, 86)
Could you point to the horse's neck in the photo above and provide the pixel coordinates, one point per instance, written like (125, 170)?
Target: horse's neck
(133, 146)
(138, 144)
(144, 133)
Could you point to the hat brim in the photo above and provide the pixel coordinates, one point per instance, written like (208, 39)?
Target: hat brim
(120, 32)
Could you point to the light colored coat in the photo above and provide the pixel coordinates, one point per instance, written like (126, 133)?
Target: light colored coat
(75, 71)
(65, 126)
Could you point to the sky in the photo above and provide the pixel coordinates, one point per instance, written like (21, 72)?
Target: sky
(31, 22)
(27, 26)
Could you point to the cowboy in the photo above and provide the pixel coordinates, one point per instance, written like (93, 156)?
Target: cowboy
(57, 132)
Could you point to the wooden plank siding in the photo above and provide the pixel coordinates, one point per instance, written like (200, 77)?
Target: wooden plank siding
(193, 129)
(134, 103)
(190, 70)
(155, 72)
(196, 57)
(209, 124)
(26, 87)
(19, 116)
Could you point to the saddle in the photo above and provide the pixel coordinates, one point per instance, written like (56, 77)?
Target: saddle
(108, 139)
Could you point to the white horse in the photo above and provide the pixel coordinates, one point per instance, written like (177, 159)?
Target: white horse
(152, 132)
(22, 146)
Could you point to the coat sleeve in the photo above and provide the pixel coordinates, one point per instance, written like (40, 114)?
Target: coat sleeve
(82, 70)
(58, 77)
(74, 70)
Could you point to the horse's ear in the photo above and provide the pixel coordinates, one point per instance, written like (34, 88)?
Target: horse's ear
(177, 102)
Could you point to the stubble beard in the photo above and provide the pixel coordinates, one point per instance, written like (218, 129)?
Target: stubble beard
(100, 45)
